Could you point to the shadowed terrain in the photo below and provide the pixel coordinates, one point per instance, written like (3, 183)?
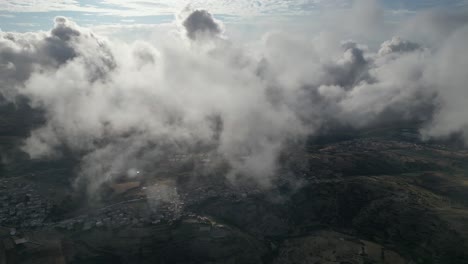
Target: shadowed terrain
(370, 197)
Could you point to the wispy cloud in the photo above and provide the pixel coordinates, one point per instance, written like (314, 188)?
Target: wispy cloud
(238, 7)
(242, 7)
(245, 13)
(44, 6)
(6, 16)
(160, 7)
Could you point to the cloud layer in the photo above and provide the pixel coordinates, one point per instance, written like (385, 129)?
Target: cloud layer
(120, 106)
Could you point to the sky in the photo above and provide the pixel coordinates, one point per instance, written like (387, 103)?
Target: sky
(33, 15)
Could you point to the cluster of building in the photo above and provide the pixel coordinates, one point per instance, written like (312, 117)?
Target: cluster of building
(127, 213)
(21, 205)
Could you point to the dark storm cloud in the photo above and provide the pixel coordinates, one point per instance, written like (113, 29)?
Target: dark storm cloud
(200, 23)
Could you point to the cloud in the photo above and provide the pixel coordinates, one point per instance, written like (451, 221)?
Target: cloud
(64, 29)
(433, 25)
(396, 44)
(25, 54)
(200, 24)
(447, 73)
(121, 105)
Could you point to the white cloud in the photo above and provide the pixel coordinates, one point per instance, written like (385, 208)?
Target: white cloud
(120, 105)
